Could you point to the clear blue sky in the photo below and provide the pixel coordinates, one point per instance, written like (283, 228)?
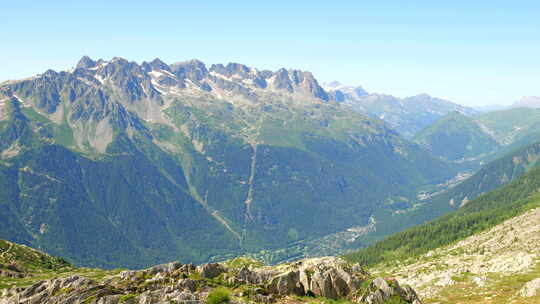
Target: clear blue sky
(472, 52)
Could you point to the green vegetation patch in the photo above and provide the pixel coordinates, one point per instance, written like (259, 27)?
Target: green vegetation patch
(219, 296)
(240, 262)
(29, 259)
(126, 298)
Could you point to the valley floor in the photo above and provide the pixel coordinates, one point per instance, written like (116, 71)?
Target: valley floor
(501, 265)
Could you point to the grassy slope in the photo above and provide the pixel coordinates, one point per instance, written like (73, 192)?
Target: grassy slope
(28, 258)
(508, 125)
(36, 265)
(486, 137)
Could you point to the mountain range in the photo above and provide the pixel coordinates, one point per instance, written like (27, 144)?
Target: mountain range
(477, 140)
(120, 164)
(115, 163)
(532, 102)
(408, 115)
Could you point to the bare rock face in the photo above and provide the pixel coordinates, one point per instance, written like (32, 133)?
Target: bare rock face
(254, 276)
(329, 277)
(169, 267)
(326, 277)
(286, 284)
(381, 290)
(211, 270)
(50, 291)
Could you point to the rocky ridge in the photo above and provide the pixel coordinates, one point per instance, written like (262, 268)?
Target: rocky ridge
(98, 98)
(246, 281)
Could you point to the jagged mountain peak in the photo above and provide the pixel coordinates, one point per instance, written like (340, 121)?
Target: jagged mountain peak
(86, 63)
(118, 94)
(231, 68)
(158, 64)
(50, 73)
(343, 91)
(192, 64)
(234, 79)
(119, 59)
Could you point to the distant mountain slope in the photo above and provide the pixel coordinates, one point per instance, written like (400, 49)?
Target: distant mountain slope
(509, 125)
(457, 137)
(116, 163)
(476, 140)
(527, 102)
(532, 102)
(407, 115)
(490, 108)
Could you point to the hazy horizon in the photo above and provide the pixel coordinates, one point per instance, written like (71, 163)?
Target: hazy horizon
(474, 54)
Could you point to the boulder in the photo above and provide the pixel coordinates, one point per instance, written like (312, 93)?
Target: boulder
(257, 276)
(380, 290)
(287, 283)
(376, 297)
(164, 268)
(187, 284)
(128, 275)
(188, 268)
(383, 286)
(185, 296)
(409, 295)
(328, 277)
(211, 270)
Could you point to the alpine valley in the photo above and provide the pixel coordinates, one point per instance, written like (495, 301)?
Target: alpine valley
(115, 163)
(249, 177)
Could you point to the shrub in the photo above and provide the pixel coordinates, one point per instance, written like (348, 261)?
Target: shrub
(219, 296)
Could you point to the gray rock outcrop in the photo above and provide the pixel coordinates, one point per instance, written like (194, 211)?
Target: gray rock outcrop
(174, 282)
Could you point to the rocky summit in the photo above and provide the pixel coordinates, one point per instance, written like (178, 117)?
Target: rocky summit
(238, 281)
